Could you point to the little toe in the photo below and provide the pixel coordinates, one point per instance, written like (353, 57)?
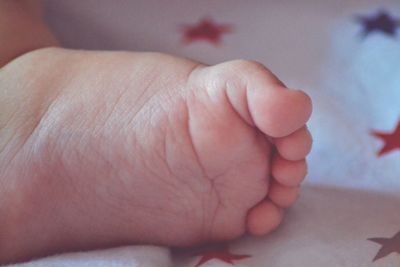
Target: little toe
(295, 146)
(264, 218)
(283, 196)
(288, 173)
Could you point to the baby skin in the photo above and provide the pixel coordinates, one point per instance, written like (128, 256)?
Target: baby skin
(101, 149)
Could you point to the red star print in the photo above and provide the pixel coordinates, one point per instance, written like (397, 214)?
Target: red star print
(206, 30)
(222, 255)
(392, 140)
(388, 245)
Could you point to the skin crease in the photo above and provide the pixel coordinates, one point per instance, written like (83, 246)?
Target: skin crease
(101, 149)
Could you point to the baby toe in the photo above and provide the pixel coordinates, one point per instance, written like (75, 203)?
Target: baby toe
(295, 146)
(288, 173)
(264, 218)
(283, 196)
(279, 112)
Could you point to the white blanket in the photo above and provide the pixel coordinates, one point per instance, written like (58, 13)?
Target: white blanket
(345, 54)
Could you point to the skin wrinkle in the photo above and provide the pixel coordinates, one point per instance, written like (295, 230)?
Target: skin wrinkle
(193, 193)
(183, 181)
(220, 204)
(122, 159)
(7, 122)
(118, 99)
(112, 172)
(100, 84)
(43, 116)
(226, 185)
(259, 71)
(232, 109)
(78, 195)
(116, 199)
(158, 179)
(12, 116)
(205, 176)
(8, 164)
(130, 204)
(253, 124)
(165, 155)
(110, 163)
(65, 171)
(5, 126)
(34, 129)
(100, 113)
(245, 102)
(139, 98)
(130, 122)
(178, 198)
(96, 113)
(128, 200)
(94, 149)
(212, 180)
(215, 211)
(225, 87)
(229, 100)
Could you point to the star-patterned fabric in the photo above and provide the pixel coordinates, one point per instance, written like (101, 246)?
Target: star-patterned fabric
(391, 140)
(206, 30)
(389, 245)
(344, 53)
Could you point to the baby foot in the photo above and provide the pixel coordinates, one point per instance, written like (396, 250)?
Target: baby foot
(279, 115)
(149, 148)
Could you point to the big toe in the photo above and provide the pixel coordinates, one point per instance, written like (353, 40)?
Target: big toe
(259, 96)
(278, 111)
